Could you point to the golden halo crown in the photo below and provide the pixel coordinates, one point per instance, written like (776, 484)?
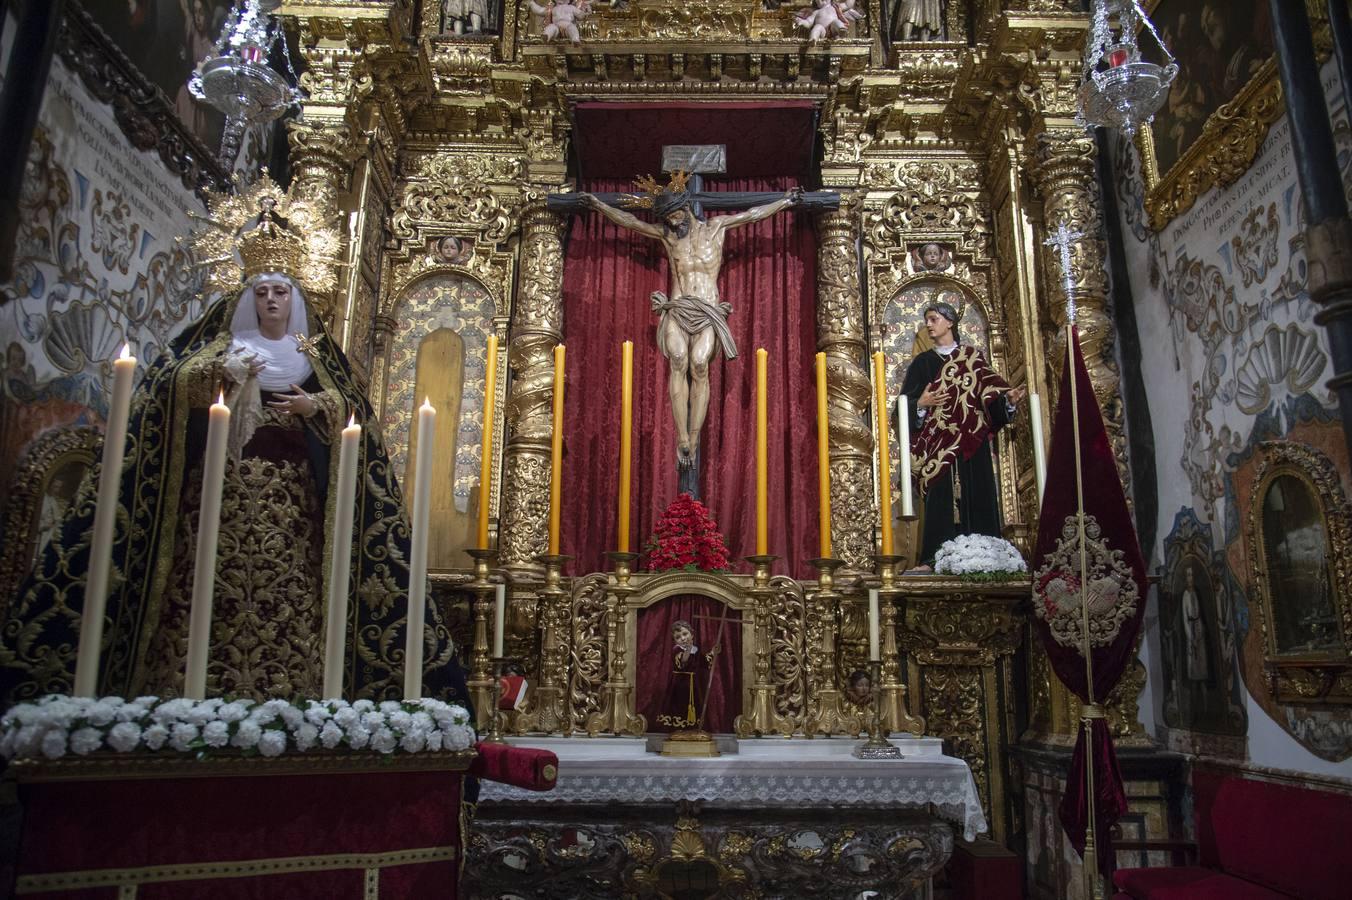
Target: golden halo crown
(652, 190)
(257, 229)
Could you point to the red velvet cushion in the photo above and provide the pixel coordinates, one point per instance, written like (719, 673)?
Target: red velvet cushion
(1188, 883)
(1290, 839)
(523, 767)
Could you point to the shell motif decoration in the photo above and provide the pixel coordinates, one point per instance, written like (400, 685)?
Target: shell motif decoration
(80, 336)
(1287, 355)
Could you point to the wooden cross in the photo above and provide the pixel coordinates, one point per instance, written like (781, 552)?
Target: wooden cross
(713, 657)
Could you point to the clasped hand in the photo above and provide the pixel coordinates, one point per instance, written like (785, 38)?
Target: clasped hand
(298, 404)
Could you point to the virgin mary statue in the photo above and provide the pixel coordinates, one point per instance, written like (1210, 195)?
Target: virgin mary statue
(292, 391)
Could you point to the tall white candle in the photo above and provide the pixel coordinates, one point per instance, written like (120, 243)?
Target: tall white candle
(499, 619)
(904, 437)
(105, 518)
(417, 563)
(340, 568)
(874, 629)
(1039, 450)
(204, 572)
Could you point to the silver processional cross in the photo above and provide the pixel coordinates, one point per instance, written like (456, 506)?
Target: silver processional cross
(1061, 239)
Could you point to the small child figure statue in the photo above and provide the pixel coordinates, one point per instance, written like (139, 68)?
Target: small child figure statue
(689, 671)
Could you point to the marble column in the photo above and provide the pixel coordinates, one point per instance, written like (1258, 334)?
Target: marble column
(537, 327)
(841, 336)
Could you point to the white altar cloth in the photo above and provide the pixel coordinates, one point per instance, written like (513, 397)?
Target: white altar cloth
(765, 772)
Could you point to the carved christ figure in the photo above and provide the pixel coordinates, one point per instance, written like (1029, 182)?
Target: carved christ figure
(694, 320)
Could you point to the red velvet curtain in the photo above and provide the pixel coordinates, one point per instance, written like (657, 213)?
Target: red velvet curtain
(655, 649)
(769, 276)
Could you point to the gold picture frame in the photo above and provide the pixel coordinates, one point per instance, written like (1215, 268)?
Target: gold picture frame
(1300, 558)
(1232, 132)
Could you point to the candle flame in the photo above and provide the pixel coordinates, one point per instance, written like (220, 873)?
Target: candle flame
(126, 351)
(221, 398)
(427, 404)
(351, 420)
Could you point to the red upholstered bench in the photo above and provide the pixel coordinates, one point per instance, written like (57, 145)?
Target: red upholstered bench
(1255, 840)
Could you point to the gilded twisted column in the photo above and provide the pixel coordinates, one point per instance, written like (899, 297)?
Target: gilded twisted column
(321, 154)
(1066, 178)
(840, 335)
(537, 323)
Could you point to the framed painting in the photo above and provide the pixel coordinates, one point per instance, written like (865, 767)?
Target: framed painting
(1221, 104)
(165, 40)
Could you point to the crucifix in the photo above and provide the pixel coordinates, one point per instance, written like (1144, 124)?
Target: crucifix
(694, 321)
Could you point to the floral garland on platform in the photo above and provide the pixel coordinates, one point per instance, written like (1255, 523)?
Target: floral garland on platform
(687, 537)
(59, 724)
(979, 557)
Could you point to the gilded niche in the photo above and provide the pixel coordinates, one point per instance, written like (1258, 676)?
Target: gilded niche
(1300, 540)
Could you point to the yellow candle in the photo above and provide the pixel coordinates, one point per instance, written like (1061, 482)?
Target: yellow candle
(762, 472)
(486, 461)
(556, 455)
(884, 453)
(874, 629)
(417, 557)
(823, 461)
(340, 567)
(105, 517)
(1039, 450)
(204, 571)
(626, 430)
(904, 435)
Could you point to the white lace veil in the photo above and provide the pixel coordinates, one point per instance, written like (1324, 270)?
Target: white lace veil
(283, 362)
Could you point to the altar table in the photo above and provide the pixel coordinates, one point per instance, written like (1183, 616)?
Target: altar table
(779, 818)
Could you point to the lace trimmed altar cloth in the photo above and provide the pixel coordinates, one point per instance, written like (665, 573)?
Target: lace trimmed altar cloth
(763, 773)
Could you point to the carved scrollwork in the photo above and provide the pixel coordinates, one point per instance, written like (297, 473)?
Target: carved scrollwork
(588, 663)
(955, 708)
(455, 189)
(788, 648)
(696, 20)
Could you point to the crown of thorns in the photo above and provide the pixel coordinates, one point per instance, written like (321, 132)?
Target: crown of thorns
(654, 194)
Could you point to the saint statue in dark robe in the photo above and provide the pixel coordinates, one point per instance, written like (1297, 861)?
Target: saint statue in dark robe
(957, 404)
(689, 675)
(291, 391)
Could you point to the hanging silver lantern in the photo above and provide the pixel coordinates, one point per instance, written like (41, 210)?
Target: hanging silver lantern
(1121, 90)
(236, 77)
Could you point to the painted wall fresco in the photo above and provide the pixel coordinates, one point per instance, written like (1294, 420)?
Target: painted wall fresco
(96, 265)
(1231, 357)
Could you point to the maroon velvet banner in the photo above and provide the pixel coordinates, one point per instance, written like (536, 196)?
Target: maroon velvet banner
(1115, 592)
(769, 277)
(656, 651)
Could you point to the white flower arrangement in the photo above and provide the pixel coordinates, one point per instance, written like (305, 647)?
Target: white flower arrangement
(979, 557)
(58, 724)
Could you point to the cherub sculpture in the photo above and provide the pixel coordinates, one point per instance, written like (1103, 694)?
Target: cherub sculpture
(562, 17)
(830, 18)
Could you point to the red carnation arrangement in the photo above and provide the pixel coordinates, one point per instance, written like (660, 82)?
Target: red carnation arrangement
(687, 537)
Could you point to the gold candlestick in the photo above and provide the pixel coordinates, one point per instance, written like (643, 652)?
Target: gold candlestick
(498, 663)
(547, 711)
(895, 715)
(616, 715)
(763, 718)
(480, 682)
(827, 715)
(877, 746)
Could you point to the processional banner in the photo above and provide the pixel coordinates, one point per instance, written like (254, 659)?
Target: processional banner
(1101, 568)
